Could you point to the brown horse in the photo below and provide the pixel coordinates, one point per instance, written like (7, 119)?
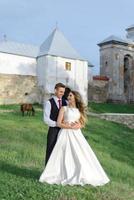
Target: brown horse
(27, 108)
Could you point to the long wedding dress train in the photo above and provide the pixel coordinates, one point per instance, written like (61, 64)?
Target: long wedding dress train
(72, 161)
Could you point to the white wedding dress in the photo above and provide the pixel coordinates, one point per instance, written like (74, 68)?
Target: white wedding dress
(72, 160)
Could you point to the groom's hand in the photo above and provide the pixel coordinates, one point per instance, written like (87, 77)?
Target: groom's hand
(68, 124)
(75, 125)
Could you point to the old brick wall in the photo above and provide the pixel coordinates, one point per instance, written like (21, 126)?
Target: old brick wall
(98, 91)
(19, 89)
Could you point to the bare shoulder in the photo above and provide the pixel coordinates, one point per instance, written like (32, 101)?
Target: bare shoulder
(63, 108)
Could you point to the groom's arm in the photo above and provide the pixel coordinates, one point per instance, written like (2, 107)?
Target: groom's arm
(46, 115)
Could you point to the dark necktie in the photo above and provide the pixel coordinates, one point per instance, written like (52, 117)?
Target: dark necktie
(60, 103)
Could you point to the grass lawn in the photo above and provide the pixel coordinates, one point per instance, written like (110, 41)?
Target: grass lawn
(22, 151)
(110, 108)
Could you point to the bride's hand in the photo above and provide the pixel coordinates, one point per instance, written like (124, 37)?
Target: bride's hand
(75, 125)
(68, 125)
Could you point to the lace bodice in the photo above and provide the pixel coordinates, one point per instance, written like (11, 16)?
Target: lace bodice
(71, 114)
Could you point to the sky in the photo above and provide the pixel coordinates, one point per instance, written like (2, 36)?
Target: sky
(84, 23)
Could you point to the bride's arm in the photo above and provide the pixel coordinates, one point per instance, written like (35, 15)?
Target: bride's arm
(77, 125)
(60, 122)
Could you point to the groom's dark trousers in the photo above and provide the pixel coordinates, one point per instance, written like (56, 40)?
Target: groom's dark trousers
(53, 131)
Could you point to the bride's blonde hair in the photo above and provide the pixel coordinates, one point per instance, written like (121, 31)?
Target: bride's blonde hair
(81, 106)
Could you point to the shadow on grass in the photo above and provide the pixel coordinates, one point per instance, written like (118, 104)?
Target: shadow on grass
(19, 171)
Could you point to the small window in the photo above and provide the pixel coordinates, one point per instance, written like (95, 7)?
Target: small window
(106, 64)
(116, 56)
(68, 66)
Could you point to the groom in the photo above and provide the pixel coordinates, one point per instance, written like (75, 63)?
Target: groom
(51, 111)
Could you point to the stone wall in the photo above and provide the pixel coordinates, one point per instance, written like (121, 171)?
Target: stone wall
(98, 91)
(19, 89)
(127, 119)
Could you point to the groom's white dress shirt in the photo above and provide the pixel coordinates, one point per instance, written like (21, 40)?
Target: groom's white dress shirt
(47, 112)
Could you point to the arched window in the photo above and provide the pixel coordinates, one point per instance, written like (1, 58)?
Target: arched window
(127, 68)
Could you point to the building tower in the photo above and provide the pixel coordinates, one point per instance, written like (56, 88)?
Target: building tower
(117, 63)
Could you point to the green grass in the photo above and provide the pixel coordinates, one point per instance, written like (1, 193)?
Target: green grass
(15, 107)
(110, 108)
(22, 152)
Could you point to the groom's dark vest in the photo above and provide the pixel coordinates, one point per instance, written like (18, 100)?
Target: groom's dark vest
(55, 109)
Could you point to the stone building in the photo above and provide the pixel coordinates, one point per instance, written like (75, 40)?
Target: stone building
(28, 73)
(117, 63)
(98, 89)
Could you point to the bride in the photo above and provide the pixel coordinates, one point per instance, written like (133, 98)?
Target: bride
(72, 161)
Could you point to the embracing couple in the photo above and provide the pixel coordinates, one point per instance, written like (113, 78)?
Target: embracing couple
(69, 158)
